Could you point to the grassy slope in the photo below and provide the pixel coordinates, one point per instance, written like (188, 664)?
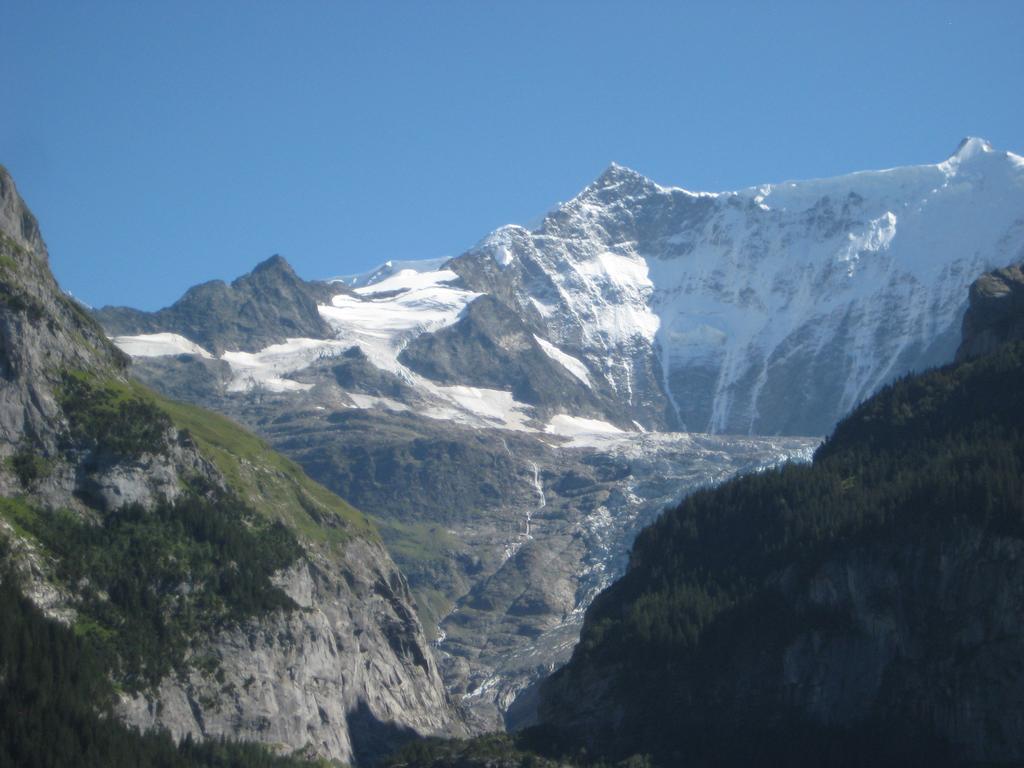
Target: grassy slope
(422, 549)
(275, 486)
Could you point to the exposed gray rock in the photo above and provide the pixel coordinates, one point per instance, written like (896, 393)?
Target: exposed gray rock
(193, 378)
(995, 314)
(354, 372)
(521, 620)
(315, 679)
(35, 569)
(266, 306)
(491, 346)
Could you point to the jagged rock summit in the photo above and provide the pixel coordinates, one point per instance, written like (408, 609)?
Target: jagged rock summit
(619, 181)
(267, 306)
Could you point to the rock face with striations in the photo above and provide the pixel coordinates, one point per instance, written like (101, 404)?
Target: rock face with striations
(490, 346)
(995, 314)
(341, 671)
(347, 676)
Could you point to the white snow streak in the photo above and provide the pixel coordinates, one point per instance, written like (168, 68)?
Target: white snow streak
(158, 345)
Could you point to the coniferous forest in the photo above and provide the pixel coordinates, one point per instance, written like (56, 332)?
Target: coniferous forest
(688, 640)
(56, 704)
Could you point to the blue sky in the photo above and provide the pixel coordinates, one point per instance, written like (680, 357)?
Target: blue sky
(162, 144)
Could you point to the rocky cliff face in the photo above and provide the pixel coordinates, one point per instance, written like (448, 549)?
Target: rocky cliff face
(995, 314)
(340, 671)
(349, 675)
(43, 332)
(490, 346)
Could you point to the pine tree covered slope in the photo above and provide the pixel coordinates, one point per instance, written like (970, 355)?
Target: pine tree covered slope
(57, 704)
(861, 610)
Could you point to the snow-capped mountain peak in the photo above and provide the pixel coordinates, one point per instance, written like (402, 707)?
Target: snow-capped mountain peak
(969, 147)
(616, 175)
(617, 183)
(386, 270)
(771, 309)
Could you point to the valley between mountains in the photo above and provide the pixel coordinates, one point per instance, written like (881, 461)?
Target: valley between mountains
(506, 524)
(512, 417)
(507, 422)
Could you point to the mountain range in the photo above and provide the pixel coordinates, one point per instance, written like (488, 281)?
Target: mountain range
(771, 310)
(513, 416)
(509, 421)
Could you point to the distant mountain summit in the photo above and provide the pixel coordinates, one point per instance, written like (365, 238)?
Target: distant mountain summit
(266, 306)
(773, 309)
(770, 310)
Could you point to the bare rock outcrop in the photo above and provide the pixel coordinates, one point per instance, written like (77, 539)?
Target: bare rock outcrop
(995, 314)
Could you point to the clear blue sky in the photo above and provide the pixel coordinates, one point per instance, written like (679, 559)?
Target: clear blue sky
(162, 144)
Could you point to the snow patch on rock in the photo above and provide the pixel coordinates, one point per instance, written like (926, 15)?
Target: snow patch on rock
(158, 345)
(571, 364)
